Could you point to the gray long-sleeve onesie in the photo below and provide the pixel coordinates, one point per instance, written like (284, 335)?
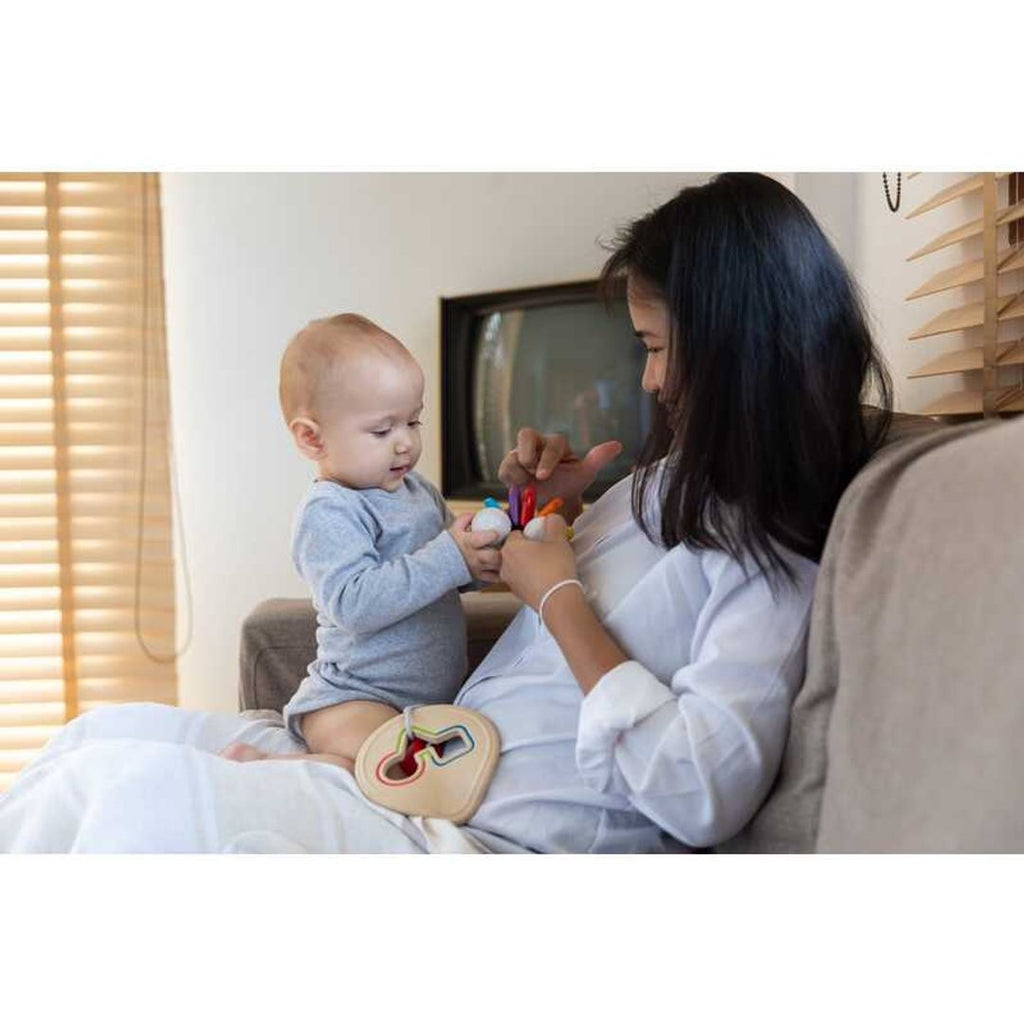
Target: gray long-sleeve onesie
(383, 572)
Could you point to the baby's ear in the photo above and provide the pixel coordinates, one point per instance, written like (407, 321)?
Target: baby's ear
(307, 438)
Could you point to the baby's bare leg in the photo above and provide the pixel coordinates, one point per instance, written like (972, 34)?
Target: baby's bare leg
(333, 734)
(341, 729)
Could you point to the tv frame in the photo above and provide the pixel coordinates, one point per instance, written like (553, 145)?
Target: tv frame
(459, 480)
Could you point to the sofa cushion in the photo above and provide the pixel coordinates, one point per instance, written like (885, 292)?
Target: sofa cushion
(279, 641)
(841, 620)
(924, 744)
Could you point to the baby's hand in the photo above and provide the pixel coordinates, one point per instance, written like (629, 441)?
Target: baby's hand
(484, 562)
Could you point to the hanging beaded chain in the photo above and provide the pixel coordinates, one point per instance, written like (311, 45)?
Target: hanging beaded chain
(899, 188)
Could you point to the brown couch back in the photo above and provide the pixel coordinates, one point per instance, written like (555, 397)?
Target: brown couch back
(905, 735)
(279, 641)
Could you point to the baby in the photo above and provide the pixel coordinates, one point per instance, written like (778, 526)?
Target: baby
(379, 549)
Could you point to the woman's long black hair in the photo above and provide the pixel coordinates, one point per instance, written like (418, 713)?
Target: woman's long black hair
(760, 416)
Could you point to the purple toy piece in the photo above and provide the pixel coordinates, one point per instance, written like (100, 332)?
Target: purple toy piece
(513, 505)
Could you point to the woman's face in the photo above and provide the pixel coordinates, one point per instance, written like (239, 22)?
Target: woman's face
(649, 313)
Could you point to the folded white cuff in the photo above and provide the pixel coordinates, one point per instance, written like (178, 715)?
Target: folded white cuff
(623, 696)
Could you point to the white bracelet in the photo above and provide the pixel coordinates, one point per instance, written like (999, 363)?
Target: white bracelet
(550, 591)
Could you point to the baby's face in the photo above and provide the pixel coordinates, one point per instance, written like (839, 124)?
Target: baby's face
(371, 422)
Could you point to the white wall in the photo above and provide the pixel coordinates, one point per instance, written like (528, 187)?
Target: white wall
(249, 258)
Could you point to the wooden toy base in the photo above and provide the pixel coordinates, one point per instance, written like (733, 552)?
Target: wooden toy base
(452, 755)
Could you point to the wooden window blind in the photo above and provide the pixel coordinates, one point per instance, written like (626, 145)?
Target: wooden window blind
(994, 369)
(87, 613)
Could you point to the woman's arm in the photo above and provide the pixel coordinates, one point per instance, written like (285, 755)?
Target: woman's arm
(532, 568)
(696, 752)
(589, 650)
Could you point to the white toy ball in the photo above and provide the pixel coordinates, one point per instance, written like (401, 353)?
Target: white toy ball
(494, 519)
(534, 529)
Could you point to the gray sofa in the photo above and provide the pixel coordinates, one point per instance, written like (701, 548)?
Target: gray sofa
(906, 733)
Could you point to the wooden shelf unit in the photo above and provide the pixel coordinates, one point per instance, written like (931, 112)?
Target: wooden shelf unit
(995, 368)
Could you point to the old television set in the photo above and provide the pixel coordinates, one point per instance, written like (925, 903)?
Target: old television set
(558, 358)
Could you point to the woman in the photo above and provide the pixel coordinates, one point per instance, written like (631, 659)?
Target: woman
(648, 705)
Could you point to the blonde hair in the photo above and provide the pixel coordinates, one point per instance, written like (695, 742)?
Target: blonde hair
(309, 357)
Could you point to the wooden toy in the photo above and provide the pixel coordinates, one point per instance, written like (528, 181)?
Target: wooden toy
(529, 504)
(491, 518)
(534, 528)
(435, 761)
(514, 506)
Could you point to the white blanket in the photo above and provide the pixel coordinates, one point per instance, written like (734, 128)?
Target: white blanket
(146, 778)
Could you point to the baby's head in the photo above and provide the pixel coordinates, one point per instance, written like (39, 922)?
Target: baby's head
(352, 395)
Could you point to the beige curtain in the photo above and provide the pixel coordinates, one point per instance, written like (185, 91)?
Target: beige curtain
(87, 613)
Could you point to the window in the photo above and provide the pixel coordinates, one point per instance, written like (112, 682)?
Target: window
(87, 611)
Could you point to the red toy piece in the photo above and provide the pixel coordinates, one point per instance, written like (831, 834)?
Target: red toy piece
(529, 504)
(408, 763)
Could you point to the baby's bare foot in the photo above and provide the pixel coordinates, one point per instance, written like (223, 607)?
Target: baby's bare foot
(247, 752)
(242, 752)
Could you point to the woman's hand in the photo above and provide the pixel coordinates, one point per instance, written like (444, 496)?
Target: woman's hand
(531, 567)
(547, 462)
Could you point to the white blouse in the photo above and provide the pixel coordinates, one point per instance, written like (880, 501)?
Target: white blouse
(678, 744)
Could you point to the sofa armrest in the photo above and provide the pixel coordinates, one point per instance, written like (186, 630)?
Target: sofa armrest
(278, 642)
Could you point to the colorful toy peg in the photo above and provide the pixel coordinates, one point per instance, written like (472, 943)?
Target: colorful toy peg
(551, 507)
(491, 503)
(513, 505)
(529, 503)
(408, 763)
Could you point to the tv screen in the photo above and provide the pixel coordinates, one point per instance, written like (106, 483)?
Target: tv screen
(555, 358)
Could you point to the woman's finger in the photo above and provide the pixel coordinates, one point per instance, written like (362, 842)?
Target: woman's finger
(514, 539)
(511, 473)
(528, 444)
(601, 455)
(509, 552)
(555, 449)
(554, 527)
